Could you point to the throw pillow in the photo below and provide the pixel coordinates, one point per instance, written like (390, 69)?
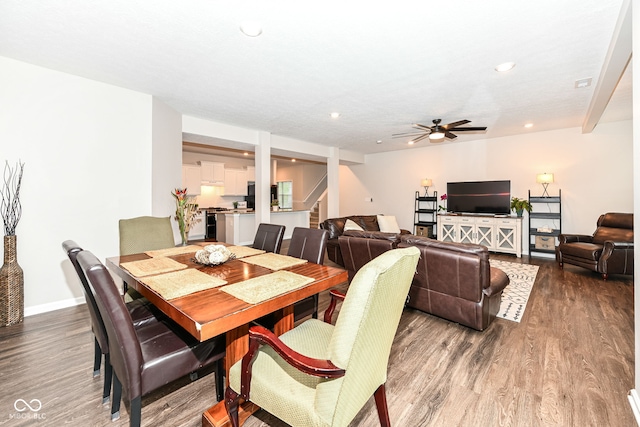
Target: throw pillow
(388, 224)
(350, 225)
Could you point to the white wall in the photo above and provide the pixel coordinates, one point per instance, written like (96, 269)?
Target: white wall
(166, 161)
(594, 171)
(87, 152)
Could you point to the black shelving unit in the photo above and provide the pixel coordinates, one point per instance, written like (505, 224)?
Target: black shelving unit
(424, 217)
(545, 212)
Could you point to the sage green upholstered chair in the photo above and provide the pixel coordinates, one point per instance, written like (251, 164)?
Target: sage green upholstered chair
(145, 233)
(318, 374)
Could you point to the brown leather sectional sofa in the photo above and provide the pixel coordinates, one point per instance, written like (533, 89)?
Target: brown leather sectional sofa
(335, 226)
(453, 281)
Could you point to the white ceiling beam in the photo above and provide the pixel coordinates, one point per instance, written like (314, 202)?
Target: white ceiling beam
(616, 61)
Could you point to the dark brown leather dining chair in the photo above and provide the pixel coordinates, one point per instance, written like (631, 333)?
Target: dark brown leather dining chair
(269, 237)
(140, 310)
(146, 358)
(309, 244)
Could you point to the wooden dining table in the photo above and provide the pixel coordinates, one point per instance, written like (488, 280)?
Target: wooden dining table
(212, 312)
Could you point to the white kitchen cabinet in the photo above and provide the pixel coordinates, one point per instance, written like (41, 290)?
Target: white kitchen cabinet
(251, 173)
(235, 182)
(498, 234)
(212, 172)
(191, 179)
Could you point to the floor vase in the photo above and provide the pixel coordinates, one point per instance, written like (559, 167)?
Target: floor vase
(11, 286)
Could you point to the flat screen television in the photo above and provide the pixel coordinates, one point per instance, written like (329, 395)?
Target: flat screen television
(479, 197)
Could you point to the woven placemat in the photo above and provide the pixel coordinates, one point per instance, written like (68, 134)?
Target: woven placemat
(147, 267)
(258, 289)
(273, 261)
(178, 250)
(180, 283)
(244, 251)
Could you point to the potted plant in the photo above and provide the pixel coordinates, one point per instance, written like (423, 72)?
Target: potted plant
(274, 205)
(520, 205)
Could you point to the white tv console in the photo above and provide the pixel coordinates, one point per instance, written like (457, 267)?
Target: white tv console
(497, 232)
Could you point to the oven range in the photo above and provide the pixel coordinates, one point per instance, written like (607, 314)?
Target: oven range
(210, 218)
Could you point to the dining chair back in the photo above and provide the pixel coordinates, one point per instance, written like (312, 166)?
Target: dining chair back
(317, 374)
(145, 233)
(140, 311)
(269, 237)
(309, 244)
(146, 358)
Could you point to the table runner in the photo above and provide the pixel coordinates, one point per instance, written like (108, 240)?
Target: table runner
(147, 267)
(258, 289)
(244, 251)
(180, 283)
(273, 261)
(178, 250)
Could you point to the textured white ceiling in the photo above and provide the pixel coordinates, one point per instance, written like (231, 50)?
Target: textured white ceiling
(382, 66)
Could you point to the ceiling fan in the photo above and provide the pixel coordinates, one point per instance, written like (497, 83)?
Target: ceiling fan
(438, 132)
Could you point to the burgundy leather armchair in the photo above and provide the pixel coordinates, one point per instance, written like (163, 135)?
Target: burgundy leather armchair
(608, 251)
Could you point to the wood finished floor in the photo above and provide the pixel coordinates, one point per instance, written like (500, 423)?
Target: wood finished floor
(570, 362)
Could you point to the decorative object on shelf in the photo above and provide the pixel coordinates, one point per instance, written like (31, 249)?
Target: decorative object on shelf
(443, 206)
(11, 275)
(213, 255)
(426, 183)
(274, 205)
(545, 179)
(235, 205)
(520, 205)
(186, 211)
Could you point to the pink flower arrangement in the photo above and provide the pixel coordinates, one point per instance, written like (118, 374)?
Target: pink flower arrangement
(443, 206)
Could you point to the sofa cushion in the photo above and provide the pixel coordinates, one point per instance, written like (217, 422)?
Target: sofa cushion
(388, 224)
(584, 250)
(335, 226)
(350, 225)
(369, 222)
(392, 237)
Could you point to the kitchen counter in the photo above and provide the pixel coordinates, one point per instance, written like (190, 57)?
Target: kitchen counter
(238, 226)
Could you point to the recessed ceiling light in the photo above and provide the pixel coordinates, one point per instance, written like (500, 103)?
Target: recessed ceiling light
(293, 160)
(411, 142)
(505, 67)
(582, 83)
(379, 141)
(528, 125)
(335, 115)
(251, 28)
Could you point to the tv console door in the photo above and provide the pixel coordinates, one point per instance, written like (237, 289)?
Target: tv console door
(498, 234)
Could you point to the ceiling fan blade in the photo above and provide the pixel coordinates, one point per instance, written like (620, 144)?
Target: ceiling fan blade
(419, 126)
(420, 138)
(467, 129)
(454, 124)
(449, 135)
(400, 135)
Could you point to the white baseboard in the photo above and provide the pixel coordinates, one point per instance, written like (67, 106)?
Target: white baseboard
(634, 400)
(44, 308)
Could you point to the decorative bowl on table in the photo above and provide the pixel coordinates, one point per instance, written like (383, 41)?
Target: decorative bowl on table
(213, 255)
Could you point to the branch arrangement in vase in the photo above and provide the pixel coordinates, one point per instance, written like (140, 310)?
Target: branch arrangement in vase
(10, 206)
